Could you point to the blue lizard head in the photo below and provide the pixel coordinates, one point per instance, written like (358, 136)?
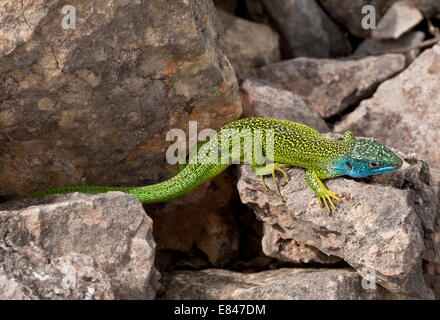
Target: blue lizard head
(367, 158)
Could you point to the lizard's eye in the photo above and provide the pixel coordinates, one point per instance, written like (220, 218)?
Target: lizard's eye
(374, 165)
(349, 166)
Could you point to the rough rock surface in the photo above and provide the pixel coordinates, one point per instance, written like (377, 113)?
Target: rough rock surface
(277, 244)
(404, 111)
(281, 284)
(10, 289)
(399, 19)
(265, 100)
(349, 14)
(18, 21)
(430, 8)
(93, 105)
(70, 277)
(77, 247)
(307, 30)
(330, 86)
(248, 45)
(379, 226)
(407, 41)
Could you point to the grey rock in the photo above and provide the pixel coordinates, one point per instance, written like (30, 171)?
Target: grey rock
(93, 105)
(262, 99)
(403, 112)
(306, 28)
(281, 284)
(78, 247)
(70, 277)
(417, 174)
(430, 8)
(399, 19)
(349, 14)
(248, 45)
(378, 228)
(10, 289)
(277, 244)
(19, 21)
(330, 86)
(404, 43)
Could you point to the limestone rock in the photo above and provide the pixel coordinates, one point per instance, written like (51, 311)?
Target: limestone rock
(10, 289)
(405, 42)
(281, 284)
(330, 86)
(265, 100)
(19, 21)
(399, 19)
(349, 14)
(378, 228)
(77, 246)
(417, 175)
(93, 105)
(278, 245)
(404, 111)
(306, 28)
(248, 45)
(429, 8)
(70, 277)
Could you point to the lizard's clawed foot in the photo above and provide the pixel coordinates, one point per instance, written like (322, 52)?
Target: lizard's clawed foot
(327, 198)
(279, 167)
(272, 169)
(264, 183)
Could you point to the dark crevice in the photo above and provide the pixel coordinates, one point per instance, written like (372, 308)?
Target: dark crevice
(333, 120)
(242, 11)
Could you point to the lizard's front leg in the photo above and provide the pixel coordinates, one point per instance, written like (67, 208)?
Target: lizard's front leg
(313, 178)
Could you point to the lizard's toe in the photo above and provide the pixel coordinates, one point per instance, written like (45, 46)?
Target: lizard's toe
(327, 199)
(334, 196)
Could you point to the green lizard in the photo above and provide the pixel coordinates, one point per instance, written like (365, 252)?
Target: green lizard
(293, 144)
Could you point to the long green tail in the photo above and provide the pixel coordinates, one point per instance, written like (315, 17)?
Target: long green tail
(194, 174)
(189, 178)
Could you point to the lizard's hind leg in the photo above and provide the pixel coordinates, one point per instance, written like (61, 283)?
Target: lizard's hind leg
(271, 169)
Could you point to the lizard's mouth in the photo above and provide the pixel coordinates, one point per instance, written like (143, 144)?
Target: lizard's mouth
(394, 166)
(389, 166)
(386, 169)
